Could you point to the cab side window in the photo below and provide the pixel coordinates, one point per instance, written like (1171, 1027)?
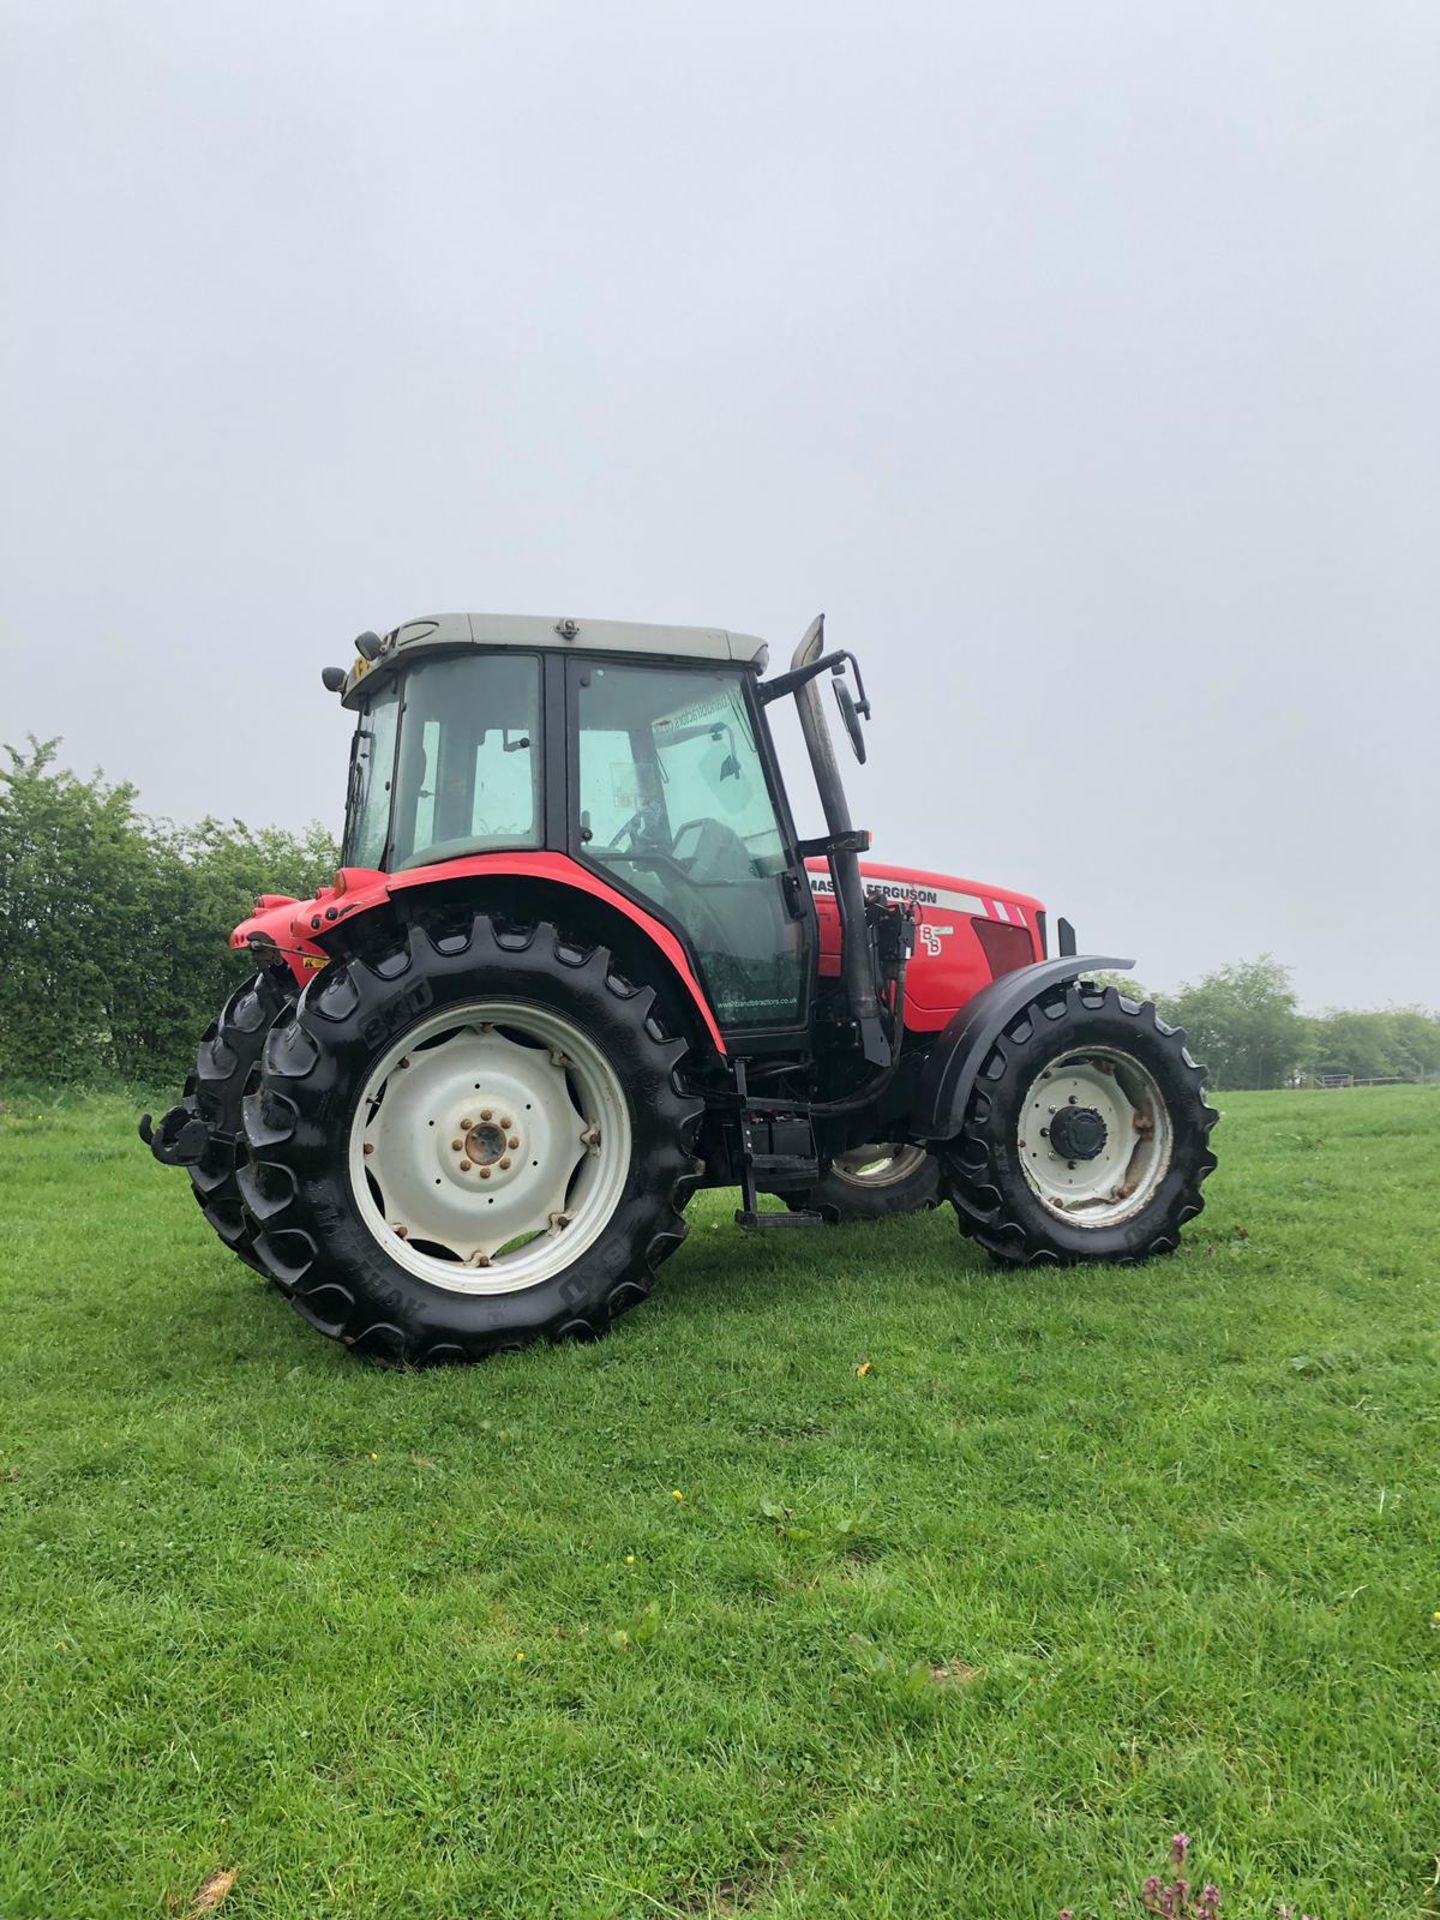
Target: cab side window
(675, 805)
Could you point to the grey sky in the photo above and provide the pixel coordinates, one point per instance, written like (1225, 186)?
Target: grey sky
(1078, 359)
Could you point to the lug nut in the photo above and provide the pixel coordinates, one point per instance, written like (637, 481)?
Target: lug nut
(466, 1125)
(506, 1161)
(456, 1146)
(514, 1140)
(484, 1173)
(464, 1166)
(507, 1123)
(486, 1112)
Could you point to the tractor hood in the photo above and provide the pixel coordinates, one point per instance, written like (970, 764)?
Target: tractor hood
(967, 933)
(942, 891)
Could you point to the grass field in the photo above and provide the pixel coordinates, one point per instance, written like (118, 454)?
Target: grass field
(1082, 1558)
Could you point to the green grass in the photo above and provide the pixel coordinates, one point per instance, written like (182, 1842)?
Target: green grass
(263, 1609)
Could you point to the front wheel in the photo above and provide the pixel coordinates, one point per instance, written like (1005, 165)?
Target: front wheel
(1087, 1134)
(468, 1143)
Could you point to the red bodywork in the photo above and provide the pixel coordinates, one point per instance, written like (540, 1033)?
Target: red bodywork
(296, 926)
(967, 933)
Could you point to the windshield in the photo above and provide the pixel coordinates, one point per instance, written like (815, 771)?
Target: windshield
(372, 762)
(465, 777)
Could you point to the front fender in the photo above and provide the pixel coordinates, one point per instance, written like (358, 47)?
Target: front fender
(953, 1064)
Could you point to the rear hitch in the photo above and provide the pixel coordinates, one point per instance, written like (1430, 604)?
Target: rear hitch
(180, 1139)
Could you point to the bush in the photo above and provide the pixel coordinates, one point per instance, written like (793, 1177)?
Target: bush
(113, 926)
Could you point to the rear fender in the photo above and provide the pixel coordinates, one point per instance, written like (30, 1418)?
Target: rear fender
(304, 929)
(953, 1064)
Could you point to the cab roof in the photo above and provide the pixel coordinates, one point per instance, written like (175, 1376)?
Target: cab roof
(562, 634)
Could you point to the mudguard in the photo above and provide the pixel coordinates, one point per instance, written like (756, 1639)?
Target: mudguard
(300, 928)
(953, 1064)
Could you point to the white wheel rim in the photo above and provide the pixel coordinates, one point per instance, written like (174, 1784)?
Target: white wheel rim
(490, 1147)
(882, 1165)
(1121, 1178)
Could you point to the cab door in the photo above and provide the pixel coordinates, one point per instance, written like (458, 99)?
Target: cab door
(673, 796)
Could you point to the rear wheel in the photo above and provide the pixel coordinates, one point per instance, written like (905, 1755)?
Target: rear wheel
(1087, 1135)
(467, 1143)
(876, 1182)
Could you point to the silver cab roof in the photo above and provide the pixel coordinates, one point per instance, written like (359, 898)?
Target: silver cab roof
(560, 634)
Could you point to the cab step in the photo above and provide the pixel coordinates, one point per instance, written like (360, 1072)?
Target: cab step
(756, 1222)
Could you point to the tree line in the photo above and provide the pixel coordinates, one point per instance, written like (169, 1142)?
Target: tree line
(114, 926)
(1244, 1024)
(114, 955)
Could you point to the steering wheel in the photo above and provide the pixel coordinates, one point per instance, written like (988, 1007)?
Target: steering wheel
(689, 902)
(642, 829)
(718, 848)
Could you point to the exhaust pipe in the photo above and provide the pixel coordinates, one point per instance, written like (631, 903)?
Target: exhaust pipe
(855, 967)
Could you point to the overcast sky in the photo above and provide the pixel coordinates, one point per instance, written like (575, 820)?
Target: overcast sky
(1078, 357)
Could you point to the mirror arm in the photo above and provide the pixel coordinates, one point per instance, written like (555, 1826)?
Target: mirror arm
(800, 676)
(862, 705)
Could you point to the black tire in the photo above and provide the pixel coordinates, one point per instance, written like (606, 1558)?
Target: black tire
(229, 1051)
(309, 1231)
(841, 1197)
(981, 1169)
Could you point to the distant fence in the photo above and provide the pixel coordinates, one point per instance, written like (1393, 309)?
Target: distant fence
(1378, 1080)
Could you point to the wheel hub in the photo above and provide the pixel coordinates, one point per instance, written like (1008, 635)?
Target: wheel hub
(1094, 1137)
(486, 1143)
(489, 1146)
(1078, 1133)
(885, 1164)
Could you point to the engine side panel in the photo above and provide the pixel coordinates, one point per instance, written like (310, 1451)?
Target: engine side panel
(967, 934)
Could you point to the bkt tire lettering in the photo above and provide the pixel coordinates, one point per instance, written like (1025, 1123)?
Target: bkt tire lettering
(397, 1013)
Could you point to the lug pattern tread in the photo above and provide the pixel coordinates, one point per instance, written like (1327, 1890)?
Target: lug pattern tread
(289, 1188)
(228, 1052)
(982, 1190)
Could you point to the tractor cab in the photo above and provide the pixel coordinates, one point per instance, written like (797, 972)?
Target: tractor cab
(642, 754)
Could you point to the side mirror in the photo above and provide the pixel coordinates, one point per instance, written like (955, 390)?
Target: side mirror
(850, 714)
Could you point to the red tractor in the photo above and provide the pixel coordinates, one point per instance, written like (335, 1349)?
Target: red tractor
(577, 963)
